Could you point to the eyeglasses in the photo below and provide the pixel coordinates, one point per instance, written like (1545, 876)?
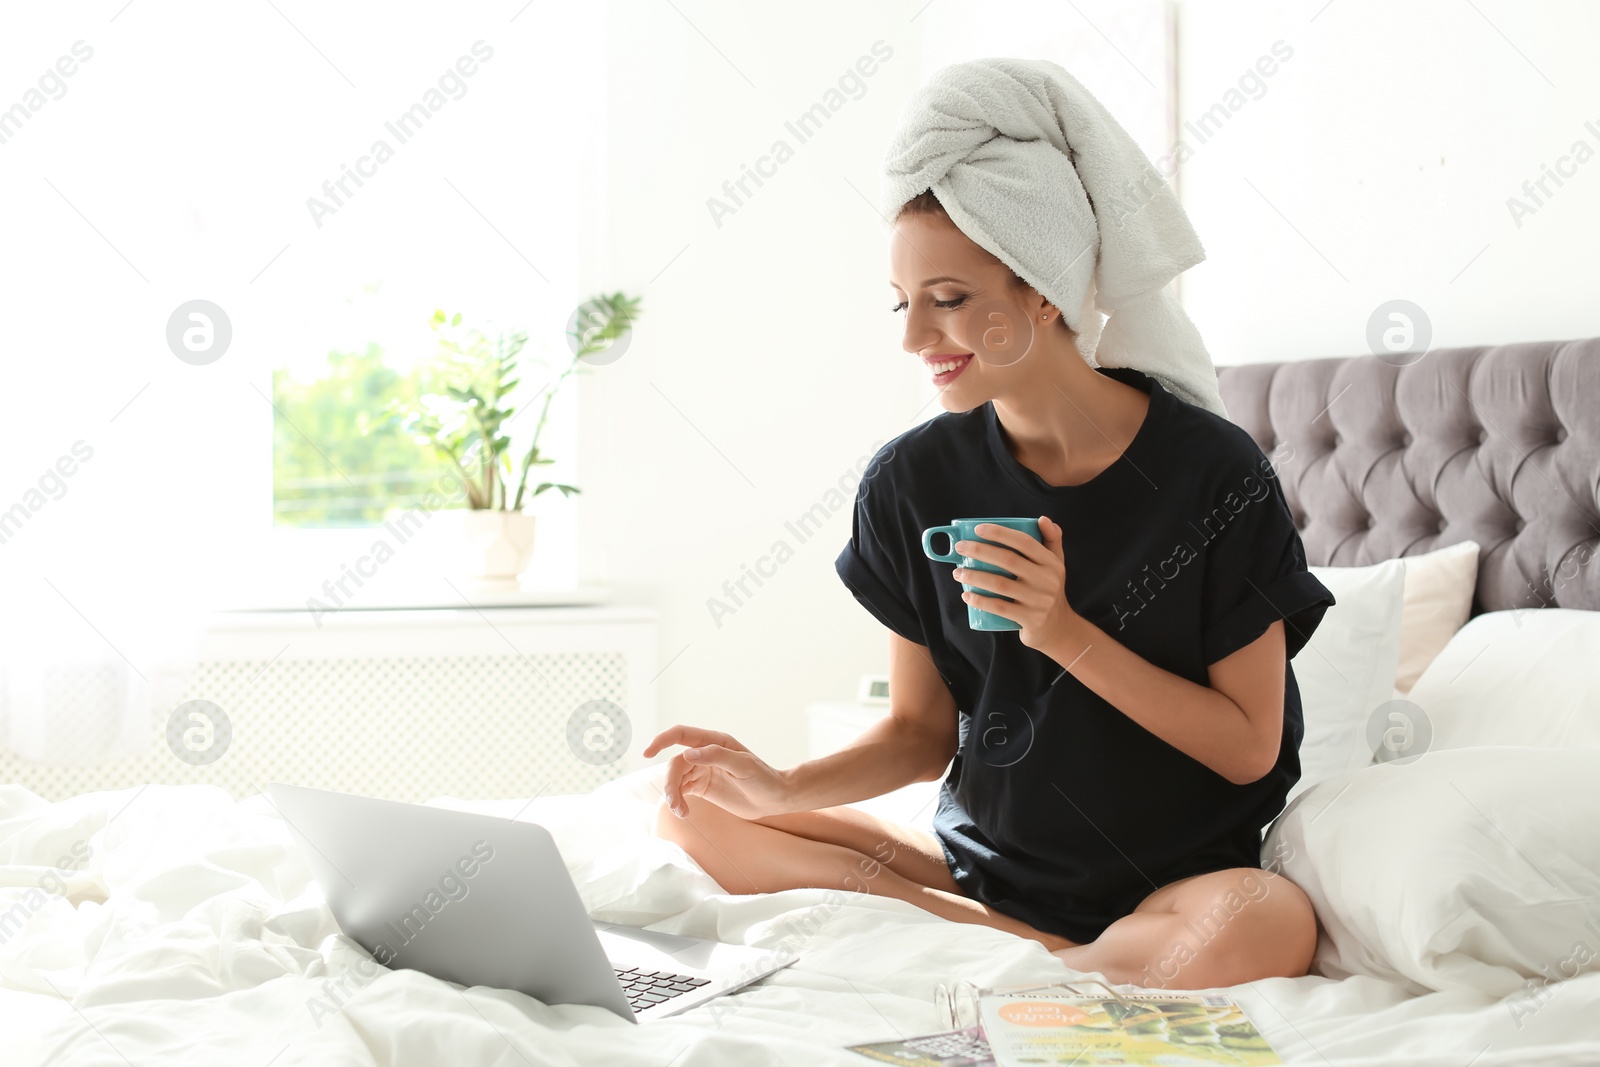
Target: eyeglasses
(957, 1002)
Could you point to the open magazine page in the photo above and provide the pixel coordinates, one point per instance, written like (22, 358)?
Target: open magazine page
(1165, 1029)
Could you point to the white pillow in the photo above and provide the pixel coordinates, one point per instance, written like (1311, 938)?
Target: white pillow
(1476, 868)
(1439, 588)
(1347, 668)
(1524, 676)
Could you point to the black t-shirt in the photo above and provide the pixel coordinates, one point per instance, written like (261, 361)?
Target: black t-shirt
(1058, 809)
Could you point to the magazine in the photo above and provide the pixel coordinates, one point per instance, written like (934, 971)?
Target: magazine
(952, 1048)
(1165, 1029)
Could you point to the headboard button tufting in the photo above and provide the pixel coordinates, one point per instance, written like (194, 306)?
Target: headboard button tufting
(1436, 454)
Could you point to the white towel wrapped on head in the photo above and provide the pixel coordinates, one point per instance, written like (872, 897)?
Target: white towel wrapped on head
(1031, 167)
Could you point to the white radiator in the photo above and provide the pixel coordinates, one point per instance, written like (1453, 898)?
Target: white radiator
(408, 705)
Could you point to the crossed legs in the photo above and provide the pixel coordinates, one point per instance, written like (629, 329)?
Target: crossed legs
(1209, 930)
(830, 848)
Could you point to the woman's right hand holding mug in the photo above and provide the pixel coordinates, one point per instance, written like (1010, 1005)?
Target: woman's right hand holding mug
(718, 768)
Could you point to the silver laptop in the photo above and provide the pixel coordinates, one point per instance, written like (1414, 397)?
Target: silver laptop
(481, 900)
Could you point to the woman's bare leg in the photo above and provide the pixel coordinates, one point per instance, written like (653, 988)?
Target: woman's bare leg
(766, 857)
(1207, 931)
(912, 853)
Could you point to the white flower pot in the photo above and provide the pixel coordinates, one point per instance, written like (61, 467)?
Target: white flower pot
(495, 546)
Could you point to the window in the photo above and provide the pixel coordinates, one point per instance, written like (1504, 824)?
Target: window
(340, 453)
(327, 182)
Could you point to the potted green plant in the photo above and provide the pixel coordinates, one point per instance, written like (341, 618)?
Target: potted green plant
(469, 419)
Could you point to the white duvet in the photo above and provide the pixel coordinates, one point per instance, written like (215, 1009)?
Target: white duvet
(175, 926)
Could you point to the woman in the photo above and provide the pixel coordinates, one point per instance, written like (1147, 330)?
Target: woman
(1113, 762)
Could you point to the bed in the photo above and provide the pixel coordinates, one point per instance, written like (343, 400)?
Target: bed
(177, 925)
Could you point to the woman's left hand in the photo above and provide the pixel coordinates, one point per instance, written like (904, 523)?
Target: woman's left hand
(1039, 588)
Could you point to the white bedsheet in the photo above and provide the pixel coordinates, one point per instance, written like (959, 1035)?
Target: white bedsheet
(193, 934)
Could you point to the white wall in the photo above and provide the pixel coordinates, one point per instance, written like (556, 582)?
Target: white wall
(767, 362)
(1391, 140)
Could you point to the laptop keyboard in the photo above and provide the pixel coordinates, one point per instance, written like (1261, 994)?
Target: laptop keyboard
(646, 989)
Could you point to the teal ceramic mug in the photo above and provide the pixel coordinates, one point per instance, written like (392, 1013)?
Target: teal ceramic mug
(966, 530)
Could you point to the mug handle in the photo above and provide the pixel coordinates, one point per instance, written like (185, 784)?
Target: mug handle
(927, 543)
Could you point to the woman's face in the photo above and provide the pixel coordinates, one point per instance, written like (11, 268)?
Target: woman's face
(966, 318)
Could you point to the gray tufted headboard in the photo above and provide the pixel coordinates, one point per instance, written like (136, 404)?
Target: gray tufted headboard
(1498, 445)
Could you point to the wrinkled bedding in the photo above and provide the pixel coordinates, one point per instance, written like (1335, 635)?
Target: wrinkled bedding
(173, 925)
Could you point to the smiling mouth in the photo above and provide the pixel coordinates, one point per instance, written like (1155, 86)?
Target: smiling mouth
(947, 370)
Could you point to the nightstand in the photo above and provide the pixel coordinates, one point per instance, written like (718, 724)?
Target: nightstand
(831, 725)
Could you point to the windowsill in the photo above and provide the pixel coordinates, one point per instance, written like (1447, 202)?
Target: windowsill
(372, 569)
(570, 619)
(421, 595)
